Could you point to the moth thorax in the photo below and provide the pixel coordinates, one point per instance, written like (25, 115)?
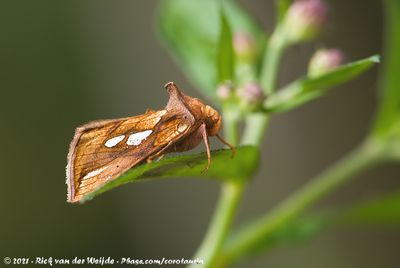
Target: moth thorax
(213, 120)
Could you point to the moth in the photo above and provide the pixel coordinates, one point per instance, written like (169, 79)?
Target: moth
(103, 150)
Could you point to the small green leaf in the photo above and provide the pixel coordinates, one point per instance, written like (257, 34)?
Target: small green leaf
(387, 122)
(223, 167)
(296, 231)
(383, 211)
(225, 57)
(380, 211)
(307, 89)
(191, 28)
(281, 8)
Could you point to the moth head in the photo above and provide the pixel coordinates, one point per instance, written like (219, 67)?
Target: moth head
(197, 107)
(212, 118)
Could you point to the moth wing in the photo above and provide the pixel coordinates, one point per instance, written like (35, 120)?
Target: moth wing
(90, 156)
(103, 150)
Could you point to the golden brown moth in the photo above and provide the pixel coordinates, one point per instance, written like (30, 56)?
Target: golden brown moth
(103, 150)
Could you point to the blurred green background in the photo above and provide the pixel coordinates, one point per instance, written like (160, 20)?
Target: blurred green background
(64, 63)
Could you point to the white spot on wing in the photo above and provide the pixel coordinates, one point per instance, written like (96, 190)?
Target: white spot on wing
(160, 113)
(157, 120)
(137, 138)
(182, 127)
(94, 173)
(114, 141)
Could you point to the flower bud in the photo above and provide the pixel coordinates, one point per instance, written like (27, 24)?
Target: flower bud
(244, 46)
(305, 19)
(324, 60)
(224, 90)
(251, 95)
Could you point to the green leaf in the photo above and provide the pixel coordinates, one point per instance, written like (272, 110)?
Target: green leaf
(281, 8)
(191, 28)
(387, 122)
(382, 211)
(304, 90)
(296, 231)
(223, 167)
(225, 57)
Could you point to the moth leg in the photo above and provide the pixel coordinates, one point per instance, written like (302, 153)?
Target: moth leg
(150, 159)
(159, 153)
(203, 131)
(233, 149)
(160, 157)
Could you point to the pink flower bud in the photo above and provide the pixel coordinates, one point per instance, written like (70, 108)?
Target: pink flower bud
(244, 46)
(304, 19)
(251, 94)
(224, 91)
(324, 60)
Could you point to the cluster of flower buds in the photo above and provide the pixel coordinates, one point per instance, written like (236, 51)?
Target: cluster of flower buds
(303, 21)
(250, 95)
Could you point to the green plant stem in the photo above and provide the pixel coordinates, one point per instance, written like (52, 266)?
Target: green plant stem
(256, 125)
(247, 239)
(231, 116)
(225, 211)
(271, 60)
(231, 193)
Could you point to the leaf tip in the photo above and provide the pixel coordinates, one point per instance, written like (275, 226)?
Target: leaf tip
(376, 58)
